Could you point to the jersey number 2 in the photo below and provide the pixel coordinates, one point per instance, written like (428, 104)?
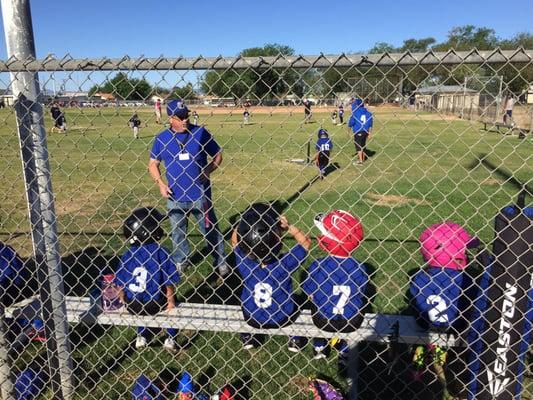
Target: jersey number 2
(344, 292)
(437, 313)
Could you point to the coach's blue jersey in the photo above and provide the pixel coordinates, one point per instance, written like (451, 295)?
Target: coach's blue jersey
(267, 293)
(361, 120)
(184, 159)
(324, 145)
(438, 295)
(11, 267)
(145, 271)
(338, 287)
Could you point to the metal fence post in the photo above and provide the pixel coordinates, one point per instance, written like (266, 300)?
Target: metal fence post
(34, 154)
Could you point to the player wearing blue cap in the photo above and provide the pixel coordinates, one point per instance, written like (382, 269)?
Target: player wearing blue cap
(361, 122)
(324, 146)
(190, 154)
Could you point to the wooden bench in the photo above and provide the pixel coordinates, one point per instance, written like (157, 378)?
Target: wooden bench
(228, 318)
(488, 126)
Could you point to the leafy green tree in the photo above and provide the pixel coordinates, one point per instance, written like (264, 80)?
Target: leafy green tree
(417, 45)
(254, 82)
(469, 37)
(124, 88)
(382, 47)
(185, 92)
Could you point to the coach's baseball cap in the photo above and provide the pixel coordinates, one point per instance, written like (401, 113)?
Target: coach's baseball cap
(177, 108)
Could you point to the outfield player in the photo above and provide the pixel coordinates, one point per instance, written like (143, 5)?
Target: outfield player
(246, 116)
(184, 149)
(195, 118)
(135, 123)
(439, 292)
(267, 294)
(157, 111)
(324, 146)
(341, 114)
(146, 274)
(334, 117)
(361, 122)
(336, 284)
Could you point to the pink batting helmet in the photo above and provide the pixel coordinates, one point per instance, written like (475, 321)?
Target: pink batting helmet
(444, 245)
(341, 232)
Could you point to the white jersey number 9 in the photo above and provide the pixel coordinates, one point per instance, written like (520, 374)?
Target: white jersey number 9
(141, 276)
(263, 295)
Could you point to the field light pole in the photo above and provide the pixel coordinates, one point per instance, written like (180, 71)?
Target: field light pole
(34, 154)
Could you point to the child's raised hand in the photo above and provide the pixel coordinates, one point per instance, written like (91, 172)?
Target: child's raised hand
(284, 222)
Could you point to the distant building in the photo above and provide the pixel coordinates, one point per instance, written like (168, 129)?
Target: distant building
(6, 97)
(452, 99)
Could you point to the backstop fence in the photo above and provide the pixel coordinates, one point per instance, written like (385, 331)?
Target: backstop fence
(369, 304)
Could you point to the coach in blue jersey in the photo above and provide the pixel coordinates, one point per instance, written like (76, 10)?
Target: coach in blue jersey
(183, 148)
(361, 122)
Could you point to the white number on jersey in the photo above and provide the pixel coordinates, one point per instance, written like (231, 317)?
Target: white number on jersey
(324, 147)
(263, 295)
(344, 292)
(438, 312)
(363, 119)
(141, 275)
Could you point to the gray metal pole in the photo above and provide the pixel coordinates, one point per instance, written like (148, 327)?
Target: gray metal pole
(35, 161)
(6, 384)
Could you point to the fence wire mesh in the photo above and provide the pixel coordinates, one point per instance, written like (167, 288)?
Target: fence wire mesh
(451, 141)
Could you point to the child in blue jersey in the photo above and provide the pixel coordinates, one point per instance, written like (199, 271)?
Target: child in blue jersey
(336, 284)
(267, 294)
(12, 275)
(440, 292)
(146, 273)
(361, 122)
(324, 145)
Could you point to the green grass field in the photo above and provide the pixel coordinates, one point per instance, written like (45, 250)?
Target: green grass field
(425, 169)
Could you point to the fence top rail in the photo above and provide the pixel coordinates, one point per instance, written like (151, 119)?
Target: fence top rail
(451, 57)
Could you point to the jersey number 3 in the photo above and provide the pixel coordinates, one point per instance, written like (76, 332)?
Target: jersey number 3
(141, 275)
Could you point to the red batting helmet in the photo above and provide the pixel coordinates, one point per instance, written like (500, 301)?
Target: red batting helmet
(341, 232)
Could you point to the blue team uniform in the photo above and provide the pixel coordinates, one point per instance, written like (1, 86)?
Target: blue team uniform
(12, 274)
(324, 145)
(145, 271)
(361, 120)
(439, 297)
(338, 287)
(267, 293)
(182, 154)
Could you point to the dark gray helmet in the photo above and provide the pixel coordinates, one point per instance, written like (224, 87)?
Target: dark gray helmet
(259, 233)
(144, 226)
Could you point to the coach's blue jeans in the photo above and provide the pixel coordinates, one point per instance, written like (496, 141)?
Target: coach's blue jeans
(178, 212)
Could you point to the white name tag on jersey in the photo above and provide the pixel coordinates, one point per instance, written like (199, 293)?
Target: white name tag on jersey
(183, 156)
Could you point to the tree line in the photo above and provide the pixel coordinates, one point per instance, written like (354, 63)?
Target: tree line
(268, 84)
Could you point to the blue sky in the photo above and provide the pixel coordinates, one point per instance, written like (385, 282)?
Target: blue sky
(114, 28)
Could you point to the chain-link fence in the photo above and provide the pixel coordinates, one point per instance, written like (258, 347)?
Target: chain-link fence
(399, 141)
